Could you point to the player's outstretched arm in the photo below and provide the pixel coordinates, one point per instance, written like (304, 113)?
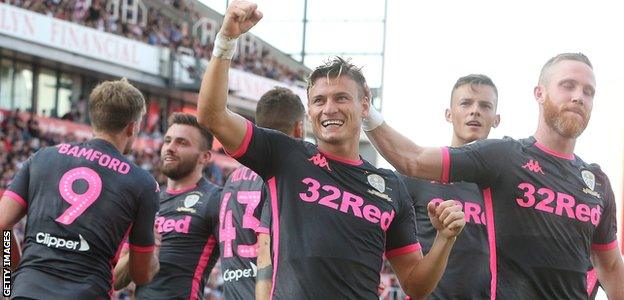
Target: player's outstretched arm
(264, 278)
(407, 157)
(419, 275)
(228, 127)
(610, 269)
(143, 266)
(122, 271)
(10, 213)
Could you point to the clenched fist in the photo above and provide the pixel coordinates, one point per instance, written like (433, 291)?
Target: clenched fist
(240, 16)
(447, 218)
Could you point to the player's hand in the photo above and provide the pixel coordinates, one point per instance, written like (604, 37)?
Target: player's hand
(240, 16)
(447, 218)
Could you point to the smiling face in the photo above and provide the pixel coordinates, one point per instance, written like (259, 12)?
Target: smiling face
(566, 97)
(181, 153)
(472, 113)
(335, 109)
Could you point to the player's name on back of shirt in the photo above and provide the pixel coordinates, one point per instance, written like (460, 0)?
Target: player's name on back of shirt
(89, 154)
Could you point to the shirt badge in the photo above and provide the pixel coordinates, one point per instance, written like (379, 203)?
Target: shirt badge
(191, 200)
(377, 182)
(589, 178)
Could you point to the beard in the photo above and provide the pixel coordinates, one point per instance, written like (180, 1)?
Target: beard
(564, 124)
(181, 169)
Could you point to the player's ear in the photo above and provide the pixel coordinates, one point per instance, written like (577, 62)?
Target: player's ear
(496, 121)
(539, 92)
(205, 157)
(299, 130)
(447, 115)
(131, 128)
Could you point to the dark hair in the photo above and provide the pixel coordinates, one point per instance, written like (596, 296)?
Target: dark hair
(279, 109)
(336, 67)
(561, 57)
(114, 104)
(191, 120)
(474, 80)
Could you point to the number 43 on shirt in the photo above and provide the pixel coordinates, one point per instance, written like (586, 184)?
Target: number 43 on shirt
(227, 231)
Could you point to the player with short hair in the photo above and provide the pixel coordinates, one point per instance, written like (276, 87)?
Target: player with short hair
(82, 200)
(472, 112)
(548, 212)
(241, 235)
(334, 214)
(188, 215)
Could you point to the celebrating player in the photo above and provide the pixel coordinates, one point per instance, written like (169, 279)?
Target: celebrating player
(472, 113)
(334, 214)
(548, 212)
(82, 200)
(243, 200)
(188, 215)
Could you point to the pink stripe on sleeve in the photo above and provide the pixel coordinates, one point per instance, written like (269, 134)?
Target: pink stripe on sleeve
(604, 247)
(243, 147)
(16, 197)
(142, 249)
(403, 250)
(262, 230)
(446, 165)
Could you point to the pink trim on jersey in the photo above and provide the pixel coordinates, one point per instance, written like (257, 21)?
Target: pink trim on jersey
(403, 250)
(491, 233)
(243, 147)
(181, 190)
(592, 279)
(604, 247)
(553, 152)
(275, 238)
(446, 165)
(343, 160)
(17, 198)
(201, 266)
(142, 249)
(262, 230)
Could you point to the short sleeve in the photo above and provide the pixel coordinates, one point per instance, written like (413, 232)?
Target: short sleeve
(480, 162)
(605, 236)
(262, 149)
(401, 237)
(142, 232)
(18, 189)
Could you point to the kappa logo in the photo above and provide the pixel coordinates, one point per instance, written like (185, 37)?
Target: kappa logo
(533, 166)
(320, 160)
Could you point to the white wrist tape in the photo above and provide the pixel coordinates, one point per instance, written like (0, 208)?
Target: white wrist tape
(224, 47)
(373, 120)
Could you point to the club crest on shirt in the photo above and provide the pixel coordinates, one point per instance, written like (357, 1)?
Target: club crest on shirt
(191, 199)
(589, 178)
(377, 182)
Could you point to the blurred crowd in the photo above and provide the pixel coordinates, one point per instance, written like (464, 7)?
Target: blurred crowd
(158, 29)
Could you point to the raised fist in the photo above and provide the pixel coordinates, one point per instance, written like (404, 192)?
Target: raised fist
(447, 218)
(240, 16)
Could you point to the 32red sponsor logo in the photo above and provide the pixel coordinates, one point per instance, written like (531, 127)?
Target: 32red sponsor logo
(344, 201)
(561, 204)
(473, 212)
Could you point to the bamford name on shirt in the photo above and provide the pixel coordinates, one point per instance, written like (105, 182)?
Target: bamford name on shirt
(103, 159)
